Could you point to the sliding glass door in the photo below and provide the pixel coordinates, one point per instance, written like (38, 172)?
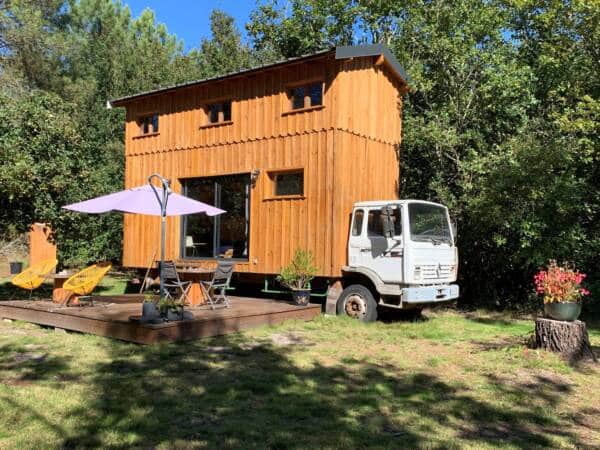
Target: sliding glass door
(226, 234)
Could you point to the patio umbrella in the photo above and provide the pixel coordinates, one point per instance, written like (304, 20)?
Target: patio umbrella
(148, 200)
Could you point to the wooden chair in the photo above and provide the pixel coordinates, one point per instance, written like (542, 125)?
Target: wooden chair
(220, 282)
(32, 277)
(85, 281)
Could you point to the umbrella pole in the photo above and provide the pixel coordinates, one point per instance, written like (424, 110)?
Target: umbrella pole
(163, 235)
(163, 223)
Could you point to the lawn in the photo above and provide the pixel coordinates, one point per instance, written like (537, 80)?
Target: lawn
(450, 381)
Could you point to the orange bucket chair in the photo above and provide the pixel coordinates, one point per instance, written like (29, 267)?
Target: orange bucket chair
(32, 277)
(85, 281)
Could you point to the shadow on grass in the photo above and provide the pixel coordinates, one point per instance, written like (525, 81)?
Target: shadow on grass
(31, 364)
(222, 394)
(10, 292)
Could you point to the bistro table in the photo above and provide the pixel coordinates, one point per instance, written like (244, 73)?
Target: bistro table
(196, 295)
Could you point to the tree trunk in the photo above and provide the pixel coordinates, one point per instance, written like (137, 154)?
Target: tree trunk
(570, 339)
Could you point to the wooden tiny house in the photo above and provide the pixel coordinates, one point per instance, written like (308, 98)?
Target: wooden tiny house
(285, 149)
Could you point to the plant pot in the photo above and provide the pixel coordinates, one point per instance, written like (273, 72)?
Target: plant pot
(15, 267)
(174, 314)
(567, 311)
(150, 311)
(301, 296)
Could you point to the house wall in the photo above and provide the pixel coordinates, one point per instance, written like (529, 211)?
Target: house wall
(348, 150)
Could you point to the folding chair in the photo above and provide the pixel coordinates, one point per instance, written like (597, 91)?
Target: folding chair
(173, 285)
(220, 282)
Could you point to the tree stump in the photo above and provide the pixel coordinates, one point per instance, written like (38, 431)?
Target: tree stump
(570, 339)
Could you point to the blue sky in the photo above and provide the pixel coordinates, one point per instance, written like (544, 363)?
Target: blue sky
(189, 19)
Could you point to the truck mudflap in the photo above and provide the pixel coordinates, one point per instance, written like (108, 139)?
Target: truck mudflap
(430, 294)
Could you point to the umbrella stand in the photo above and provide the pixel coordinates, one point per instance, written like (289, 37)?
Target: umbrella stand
(162, 200)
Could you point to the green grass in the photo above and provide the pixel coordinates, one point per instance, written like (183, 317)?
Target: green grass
(451, 381)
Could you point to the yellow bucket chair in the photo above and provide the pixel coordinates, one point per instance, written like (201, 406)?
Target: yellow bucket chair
(84, 282)
(32, 277)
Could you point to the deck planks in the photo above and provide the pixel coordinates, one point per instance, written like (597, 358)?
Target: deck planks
(113, 319)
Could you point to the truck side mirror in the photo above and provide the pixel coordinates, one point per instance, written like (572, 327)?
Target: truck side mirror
(387, 221)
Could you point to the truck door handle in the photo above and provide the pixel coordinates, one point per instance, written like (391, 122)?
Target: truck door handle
(365, 249)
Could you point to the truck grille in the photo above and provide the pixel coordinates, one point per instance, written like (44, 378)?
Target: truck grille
(437, 272)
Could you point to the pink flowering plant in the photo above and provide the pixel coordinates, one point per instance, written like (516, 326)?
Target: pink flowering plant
(560, 283)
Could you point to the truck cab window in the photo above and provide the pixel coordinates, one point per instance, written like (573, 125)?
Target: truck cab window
(397, 221)
(359, 215)
(374, 224)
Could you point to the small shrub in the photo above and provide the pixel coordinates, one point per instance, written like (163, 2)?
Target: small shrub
(300, 271)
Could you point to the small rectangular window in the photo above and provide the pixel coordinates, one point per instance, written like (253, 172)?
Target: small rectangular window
(306, 96)
(148, 124)
(315, 92)
(298, 97)
(359, 215)
(288, 183)
(219, 112)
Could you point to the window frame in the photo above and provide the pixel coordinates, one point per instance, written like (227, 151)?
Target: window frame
(141, 123)
(217, 219)
(362, 223)
(272, 175)
(306, 84)
(206, 109)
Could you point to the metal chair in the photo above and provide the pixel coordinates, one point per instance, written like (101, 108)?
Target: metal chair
(173, 283)
(220, 282)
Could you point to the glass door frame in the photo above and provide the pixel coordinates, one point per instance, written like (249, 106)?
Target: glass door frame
(216, 219)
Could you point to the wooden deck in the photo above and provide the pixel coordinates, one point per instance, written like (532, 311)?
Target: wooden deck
(112, 319)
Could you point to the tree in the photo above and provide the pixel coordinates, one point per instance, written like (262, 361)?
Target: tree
(47, 164)
(501, 123)
(224, 52)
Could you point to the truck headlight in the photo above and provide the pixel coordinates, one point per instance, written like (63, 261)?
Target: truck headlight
(417, 273)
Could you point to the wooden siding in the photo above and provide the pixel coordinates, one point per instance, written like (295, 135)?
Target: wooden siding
(260, 110)
(347, 148)
(277, 226)
(40, 247)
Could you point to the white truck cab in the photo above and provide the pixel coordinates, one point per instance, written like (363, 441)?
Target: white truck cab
(401, 254)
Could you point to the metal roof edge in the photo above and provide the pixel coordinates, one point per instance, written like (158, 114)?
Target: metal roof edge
(357, 51)
(341, 52)
(116, 102)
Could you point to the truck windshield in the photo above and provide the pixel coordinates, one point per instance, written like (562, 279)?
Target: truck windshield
(429, 223)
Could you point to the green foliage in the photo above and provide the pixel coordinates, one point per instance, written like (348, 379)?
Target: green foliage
(299, 273)
(224, 53)
(61, 61)
(501, 123)
(169, 304)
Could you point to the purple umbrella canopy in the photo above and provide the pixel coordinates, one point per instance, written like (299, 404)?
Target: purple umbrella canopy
(142, 200)
(149, 200)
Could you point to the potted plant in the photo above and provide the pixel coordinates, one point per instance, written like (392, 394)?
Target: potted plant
(171, 309)
(149, 307)
(297, 276)
(562, 291)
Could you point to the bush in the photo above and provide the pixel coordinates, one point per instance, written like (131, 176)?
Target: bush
(300, 271)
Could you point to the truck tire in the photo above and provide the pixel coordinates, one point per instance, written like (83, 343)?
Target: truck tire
(357, 301)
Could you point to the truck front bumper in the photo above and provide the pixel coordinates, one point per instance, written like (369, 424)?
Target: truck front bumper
(430, 294)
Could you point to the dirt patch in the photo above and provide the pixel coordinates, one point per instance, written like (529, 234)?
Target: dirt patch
(290, 338)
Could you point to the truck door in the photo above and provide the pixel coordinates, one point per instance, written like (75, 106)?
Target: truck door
(374, 251)
(355, 241)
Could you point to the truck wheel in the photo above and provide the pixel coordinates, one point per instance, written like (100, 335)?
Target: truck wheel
(356, 301)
